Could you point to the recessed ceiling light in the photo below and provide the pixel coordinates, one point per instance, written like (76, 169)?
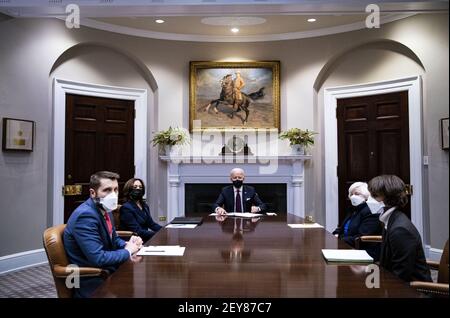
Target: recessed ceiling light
(159, 21)
(311, 20)
(234, 30)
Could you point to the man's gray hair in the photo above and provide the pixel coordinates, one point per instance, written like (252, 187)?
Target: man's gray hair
(236, 170)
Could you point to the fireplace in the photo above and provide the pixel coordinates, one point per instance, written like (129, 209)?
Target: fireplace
(199, 197)
(282, 187)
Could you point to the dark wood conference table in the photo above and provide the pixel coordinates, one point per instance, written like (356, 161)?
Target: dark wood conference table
(247, 258)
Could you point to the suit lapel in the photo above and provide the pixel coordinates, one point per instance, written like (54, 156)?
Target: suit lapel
(102, 221)
(385, 246)
(244, 195)
(141, 214)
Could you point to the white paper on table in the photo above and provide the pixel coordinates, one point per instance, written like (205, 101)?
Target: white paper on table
(239, 214)
(246, 214)
(181, 226)
(347, 256)
(162, 250)
(271, 213)
(306, 226)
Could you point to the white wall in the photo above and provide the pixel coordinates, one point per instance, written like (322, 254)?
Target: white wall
(29, 47)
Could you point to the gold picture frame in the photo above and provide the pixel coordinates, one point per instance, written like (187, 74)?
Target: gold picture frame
(255, 105)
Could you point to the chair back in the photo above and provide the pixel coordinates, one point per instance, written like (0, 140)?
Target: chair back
(116, 216)
(56, 254)
(443, 266)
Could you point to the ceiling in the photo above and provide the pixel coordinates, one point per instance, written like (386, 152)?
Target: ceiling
(212, 20)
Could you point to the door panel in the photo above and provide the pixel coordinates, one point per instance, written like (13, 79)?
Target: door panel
(99, 136)
(373, 139)
(357, 164)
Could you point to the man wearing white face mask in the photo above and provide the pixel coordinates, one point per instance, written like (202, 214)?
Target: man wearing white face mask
(360, 221)
(90, 239)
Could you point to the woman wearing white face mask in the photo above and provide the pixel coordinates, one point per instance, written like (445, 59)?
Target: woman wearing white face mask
(360, 221)
(401, 250)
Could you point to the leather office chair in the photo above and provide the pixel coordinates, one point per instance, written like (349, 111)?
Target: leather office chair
(58, 261)
(125, 235)
(439, 289)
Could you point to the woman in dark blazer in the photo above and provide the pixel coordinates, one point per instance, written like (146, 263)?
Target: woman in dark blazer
(361, 220)
(401, 250)
(135, 213)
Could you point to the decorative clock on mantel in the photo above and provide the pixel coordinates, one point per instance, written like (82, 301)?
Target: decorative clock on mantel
(236, 146)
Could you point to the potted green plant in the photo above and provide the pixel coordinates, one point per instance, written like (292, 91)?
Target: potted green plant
(171, 139)
(299, 139)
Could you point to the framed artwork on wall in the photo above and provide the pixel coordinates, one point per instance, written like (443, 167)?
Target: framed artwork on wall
(230, 95)
(18, 135)
(444, 133)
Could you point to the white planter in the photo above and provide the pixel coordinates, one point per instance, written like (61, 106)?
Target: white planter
(173, 151)
(297, 150)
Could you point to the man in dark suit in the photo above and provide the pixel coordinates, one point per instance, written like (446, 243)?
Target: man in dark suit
(90, 239)
(401, 249)
(238, 197)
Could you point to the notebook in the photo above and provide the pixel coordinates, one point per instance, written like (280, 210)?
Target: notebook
(347, 256)
(187, 220)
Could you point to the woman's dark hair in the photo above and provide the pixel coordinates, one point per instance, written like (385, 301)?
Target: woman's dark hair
(128, 187)
(391, 188)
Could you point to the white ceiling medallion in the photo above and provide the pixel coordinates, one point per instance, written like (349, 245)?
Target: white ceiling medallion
(233, 21)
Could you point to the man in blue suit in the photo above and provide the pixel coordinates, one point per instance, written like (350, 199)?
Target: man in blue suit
(90, 239)
(238, 197)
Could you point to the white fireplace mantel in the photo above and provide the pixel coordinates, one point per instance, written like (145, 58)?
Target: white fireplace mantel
(287, 169)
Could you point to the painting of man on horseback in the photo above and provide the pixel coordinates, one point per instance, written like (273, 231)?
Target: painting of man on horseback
(235, 97)
(231, 94)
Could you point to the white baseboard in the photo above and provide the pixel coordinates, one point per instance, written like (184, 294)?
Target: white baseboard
(433, 254)
(13, 262)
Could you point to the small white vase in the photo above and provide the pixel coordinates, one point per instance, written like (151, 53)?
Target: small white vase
(297, 150)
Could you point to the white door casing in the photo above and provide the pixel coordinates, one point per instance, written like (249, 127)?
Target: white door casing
(62, 87)
(413, 85)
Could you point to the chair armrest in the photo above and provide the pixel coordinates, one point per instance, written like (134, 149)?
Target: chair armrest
(371, 238)
(64, 271)
(367, 239)
(427, 287)
(433, 264)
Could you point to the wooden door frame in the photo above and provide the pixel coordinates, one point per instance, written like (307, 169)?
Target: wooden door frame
(413, 85)
(62, 87)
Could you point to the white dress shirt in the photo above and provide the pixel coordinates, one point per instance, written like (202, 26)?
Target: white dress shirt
(384, 217)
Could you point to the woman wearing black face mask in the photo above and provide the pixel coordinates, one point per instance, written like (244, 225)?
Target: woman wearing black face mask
(135, 213)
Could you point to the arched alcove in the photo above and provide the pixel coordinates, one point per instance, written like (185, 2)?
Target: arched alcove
(386, 45)
(82, 48)
(371, 68)
(103, 70)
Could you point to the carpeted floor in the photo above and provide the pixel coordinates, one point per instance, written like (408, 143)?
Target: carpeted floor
(32, 282)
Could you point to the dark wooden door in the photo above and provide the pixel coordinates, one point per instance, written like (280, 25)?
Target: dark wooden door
(373, 139)
(99, 136)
